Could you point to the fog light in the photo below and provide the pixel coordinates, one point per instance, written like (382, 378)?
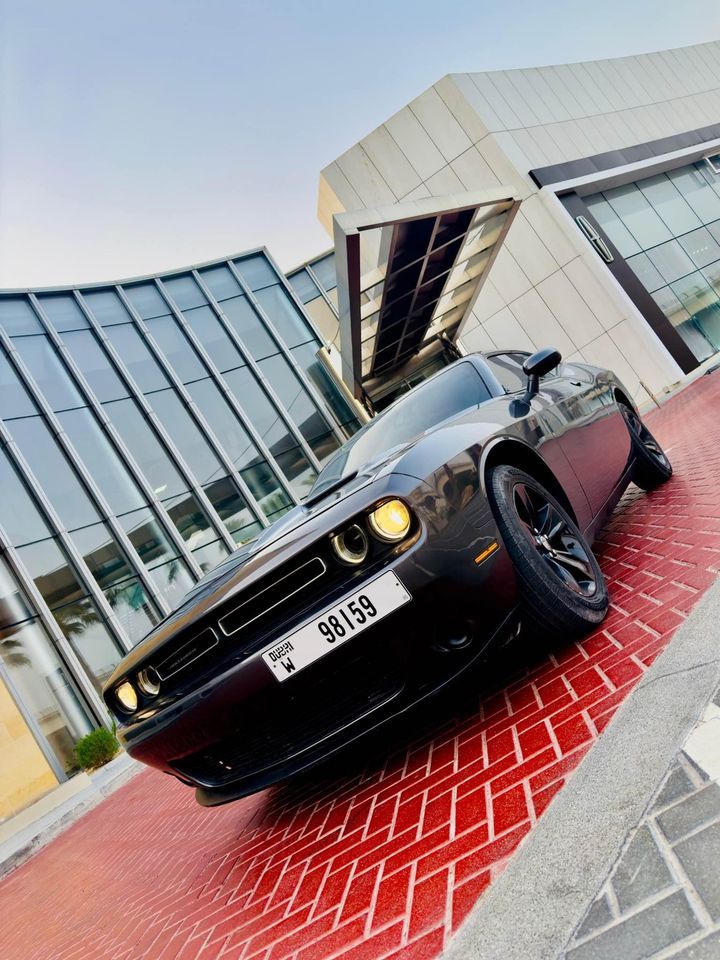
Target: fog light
(351, 545)
(127, 696)
(149, 682)
(390, 521)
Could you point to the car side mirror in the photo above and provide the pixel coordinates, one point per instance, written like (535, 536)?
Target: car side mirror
(537, 366)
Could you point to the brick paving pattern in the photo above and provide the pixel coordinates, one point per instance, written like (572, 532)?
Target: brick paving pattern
(663, 896)
(382, 857)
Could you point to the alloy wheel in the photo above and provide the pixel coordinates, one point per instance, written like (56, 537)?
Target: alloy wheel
(643, 435)
(552, 536)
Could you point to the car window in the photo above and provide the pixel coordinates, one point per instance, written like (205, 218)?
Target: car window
(448, 394)
(507, 368)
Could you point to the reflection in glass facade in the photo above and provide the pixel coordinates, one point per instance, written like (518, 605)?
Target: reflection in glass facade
(146, 430)
(668, 229)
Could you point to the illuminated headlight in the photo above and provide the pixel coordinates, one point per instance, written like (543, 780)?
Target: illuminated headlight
(390, 521)
(351, 545)
(149, 682)
(127, 696)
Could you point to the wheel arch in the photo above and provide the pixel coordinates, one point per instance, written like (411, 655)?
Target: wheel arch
(514, 453)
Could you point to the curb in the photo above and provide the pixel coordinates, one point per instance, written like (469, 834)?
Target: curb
(533, 907)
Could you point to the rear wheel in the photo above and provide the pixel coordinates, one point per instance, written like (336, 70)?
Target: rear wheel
(652, 466)
(562, 588)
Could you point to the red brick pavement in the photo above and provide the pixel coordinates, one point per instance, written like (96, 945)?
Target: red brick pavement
(383, 858)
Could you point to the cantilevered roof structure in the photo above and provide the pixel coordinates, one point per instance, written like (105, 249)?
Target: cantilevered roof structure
(408, 275)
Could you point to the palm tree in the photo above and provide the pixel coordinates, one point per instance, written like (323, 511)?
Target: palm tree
(75, 618)
(10, 649)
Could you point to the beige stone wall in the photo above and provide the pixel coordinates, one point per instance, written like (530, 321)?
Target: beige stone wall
(24, 772)
(481, 130)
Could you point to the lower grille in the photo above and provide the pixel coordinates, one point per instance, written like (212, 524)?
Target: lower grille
(264, 741)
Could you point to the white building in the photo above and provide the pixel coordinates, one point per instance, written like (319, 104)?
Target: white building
(613, 160)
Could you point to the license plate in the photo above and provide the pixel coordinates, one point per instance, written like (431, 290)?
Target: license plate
(336, 626)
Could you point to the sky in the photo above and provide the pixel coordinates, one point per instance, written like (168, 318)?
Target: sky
(144, 135)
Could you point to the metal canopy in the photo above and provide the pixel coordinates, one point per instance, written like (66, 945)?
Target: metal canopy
(408, 275)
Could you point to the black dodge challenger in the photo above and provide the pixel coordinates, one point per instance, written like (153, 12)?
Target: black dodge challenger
(462, 512)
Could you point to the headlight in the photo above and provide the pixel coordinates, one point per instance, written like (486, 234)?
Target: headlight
(351, 545)
(127, 697)
(390, 521)
(149, 682)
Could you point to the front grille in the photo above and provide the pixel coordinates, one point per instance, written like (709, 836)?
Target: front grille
(265, 739)
(277, 589)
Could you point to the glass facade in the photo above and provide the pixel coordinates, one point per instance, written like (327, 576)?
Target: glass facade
(667, 227)
(147, 428)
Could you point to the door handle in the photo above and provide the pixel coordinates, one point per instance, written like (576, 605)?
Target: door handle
(595, 239)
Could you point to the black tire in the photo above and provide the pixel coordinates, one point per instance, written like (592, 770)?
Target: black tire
(652, 466)
(562, 589)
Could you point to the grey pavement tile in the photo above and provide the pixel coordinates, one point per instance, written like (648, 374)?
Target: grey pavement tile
(597, 916)
(706, 949)
(677, 785)
(641, 872)
(642, 934)
(699, 856)
(683, 818)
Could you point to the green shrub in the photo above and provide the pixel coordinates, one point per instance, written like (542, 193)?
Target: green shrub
(96, 748)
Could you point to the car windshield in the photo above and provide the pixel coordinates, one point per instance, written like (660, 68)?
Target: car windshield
(445, 395)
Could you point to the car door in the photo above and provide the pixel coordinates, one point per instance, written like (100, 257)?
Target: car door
(582, 414)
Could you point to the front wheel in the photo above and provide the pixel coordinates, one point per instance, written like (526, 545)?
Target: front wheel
(561, 586)
(651, 467)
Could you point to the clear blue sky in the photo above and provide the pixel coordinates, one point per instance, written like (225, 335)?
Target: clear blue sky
(146, 134)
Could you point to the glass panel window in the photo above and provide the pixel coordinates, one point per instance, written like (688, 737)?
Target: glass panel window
(91, 641)
(249, 327)
(213, 336)
(683, 323)
(701, 246)
(53, 472)
(177, 348)
(148, 538)
(324, 270)
(191, 520)
(95, 365)
(701, 302)
(103, 555)
(101, 461)
(221, 283)
(173, 580)
(638, 216)
(17, 316)
(106, 306)
(63, 312)
(284, 315)
(698, 193)
(322, 379)
(296, 467)
(294, 397)
(19, 516)
(146, 300)
(146, 448)
(264, 486)
(14, 399)
(256, 271)
(265, 416)
(304, 286)
(187, 436)
(49, 566)
(669, 203)
(47, 690)
(646, 271)
(211, 555)
(185, 292)
(14, 605)
(48, 372)
(671, 261)
(136, 355)
(224, 424)
(612, 225)
(324, 319)
(130, 604)
(233, 509)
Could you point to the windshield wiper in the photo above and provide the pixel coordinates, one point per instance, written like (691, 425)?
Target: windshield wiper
(329, 488)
